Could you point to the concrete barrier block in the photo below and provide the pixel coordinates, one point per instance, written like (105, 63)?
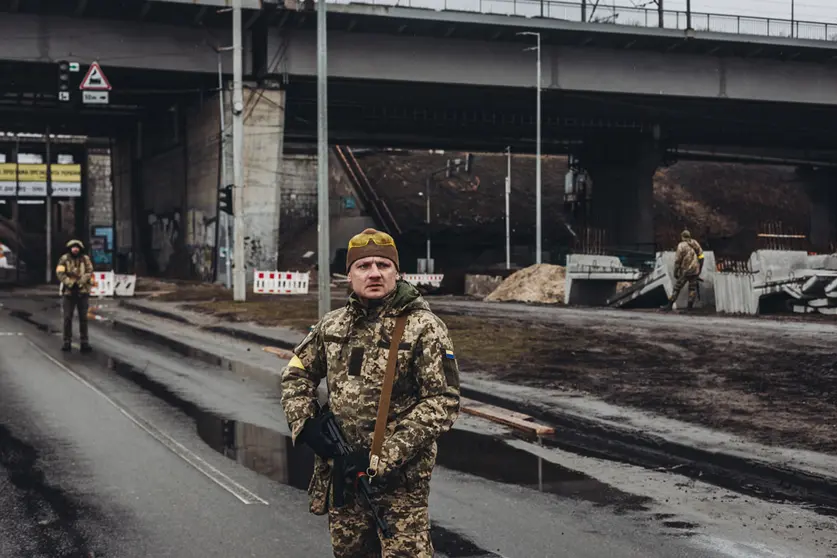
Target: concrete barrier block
(591, 280)
(480, 286)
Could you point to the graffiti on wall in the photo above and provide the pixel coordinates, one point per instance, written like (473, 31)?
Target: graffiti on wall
(200, 242)
(196, 231)
(254, 254)
(165, 232)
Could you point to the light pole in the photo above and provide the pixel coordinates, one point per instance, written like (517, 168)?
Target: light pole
(240, 274)
(538, 249)
(223, 218)
(793, 17)
(323, 260)
(427, 218)
(508, 192)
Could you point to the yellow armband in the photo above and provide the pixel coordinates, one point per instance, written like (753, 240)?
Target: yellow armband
(296, 363)
(60, 269)
(700, 257)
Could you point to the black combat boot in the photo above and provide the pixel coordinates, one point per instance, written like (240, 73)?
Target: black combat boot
(86, 348)
(66, 347)
(668, 305)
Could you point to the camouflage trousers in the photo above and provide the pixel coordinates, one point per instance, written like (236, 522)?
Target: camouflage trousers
(681, 282)
(354, 534)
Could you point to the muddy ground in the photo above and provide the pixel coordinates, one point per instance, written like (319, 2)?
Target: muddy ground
(765, 384)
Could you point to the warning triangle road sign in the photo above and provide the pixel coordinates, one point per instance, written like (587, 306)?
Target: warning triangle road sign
(95, 79)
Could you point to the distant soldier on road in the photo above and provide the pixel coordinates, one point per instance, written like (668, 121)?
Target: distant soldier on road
(350, 349)
(688, 264)
(75, 271)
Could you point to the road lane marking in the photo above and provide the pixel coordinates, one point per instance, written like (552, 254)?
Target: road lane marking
(213, 474)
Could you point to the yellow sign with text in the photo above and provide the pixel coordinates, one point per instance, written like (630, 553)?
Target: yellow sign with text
(37, 173)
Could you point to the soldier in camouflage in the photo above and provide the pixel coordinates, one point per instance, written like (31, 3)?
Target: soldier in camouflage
(75, 271)
(688, 264)
(349, 349)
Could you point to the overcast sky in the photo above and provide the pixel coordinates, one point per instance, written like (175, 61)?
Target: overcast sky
(810, 10)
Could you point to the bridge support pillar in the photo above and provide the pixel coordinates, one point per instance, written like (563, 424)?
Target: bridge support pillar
(622, 197)
(822, 192)
(264, 146)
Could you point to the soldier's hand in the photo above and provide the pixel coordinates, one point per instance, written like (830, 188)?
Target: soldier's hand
(313, 436)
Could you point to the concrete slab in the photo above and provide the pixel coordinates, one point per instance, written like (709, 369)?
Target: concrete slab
(591, 280)
(656, 287)
(734, 294)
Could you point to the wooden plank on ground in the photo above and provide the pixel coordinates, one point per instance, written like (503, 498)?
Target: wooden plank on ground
(281, 353)
(499, 415)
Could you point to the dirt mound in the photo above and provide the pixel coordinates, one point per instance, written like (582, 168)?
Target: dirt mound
(537, 283)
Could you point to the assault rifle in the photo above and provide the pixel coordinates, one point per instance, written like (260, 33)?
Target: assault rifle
(364, 488)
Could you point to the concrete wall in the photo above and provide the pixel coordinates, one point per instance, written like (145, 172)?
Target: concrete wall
(202, 179)
(163, 187)
(299, 208)
(263, 147)
(100, 187)
(179, 190)
(123, 219)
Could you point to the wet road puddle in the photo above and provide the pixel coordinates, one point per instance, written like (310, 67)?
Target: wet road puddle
(493, 459)
(270, 453)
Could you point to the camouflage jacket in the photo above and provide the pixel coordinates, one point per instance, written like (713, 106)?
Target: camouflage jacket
(686, 258)
(75, 271)
(349, 348)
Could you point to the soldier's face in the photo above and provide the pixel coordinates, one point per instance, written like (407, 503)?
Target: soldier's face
(74, 250)
(373, 277)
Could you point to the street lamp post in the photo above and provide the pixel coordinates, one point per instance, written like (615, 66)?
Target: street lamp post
(240, 273)
(427, 206)
(323, 256)
(508, 193)
(538, 234)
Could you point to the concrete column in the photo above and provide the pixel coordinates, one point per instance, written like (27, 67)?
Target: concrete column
(264, 133)
(622, 200)
(822, 192)
(100, 204)
(121, 161)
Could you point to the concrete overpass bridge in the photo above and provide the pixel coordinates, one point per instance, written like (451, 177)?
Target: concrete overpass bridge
(616, 96)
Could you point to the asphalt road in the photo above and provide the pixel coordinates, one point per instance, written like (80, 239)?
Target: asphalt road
(136, 451)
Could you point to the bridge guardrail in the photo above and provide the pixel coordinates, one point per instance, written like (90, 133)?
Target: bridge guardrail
(627, 16)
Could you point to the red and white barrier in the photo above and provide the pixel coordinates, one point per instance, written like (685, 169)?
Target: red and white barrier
(280, 282)
(103, 282)
(107, 283)
(432, 279)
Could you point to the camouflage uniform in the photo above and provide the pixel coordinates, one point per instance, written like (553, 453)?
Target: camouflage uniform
(688, 263)
(76, 276)
(349, 347)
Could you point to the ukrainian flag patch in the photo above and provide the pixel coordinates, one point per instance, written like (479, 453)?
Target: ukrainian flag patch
(449, 355)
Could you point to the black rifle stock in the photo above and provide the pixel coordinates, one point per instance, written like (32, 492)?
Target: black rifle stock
(364, 488)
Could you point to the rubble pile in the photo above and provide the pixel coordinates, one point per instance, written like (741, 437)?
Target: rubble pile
(542, 283)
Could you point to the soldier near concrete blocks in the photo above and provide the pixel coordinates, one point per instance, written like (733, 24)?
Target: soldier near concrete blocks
(688, 265)
(75, 271)
(392, 439)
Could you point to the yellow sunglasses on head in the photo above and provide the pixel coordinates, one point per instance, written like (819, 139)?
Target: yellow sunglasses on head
(379, 238)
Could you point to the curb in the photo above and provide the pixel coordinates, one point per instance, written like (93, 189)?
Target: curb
(740, 474)
(251, 336)
(591, 438)
(154, 312)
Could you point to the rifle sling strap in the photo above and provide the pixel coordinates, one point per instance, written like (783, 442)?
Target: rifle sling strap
(386, 393)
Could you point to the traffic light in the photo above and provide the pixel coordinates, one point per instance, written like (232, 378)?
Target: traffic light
(226, 199)
(63, 81)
